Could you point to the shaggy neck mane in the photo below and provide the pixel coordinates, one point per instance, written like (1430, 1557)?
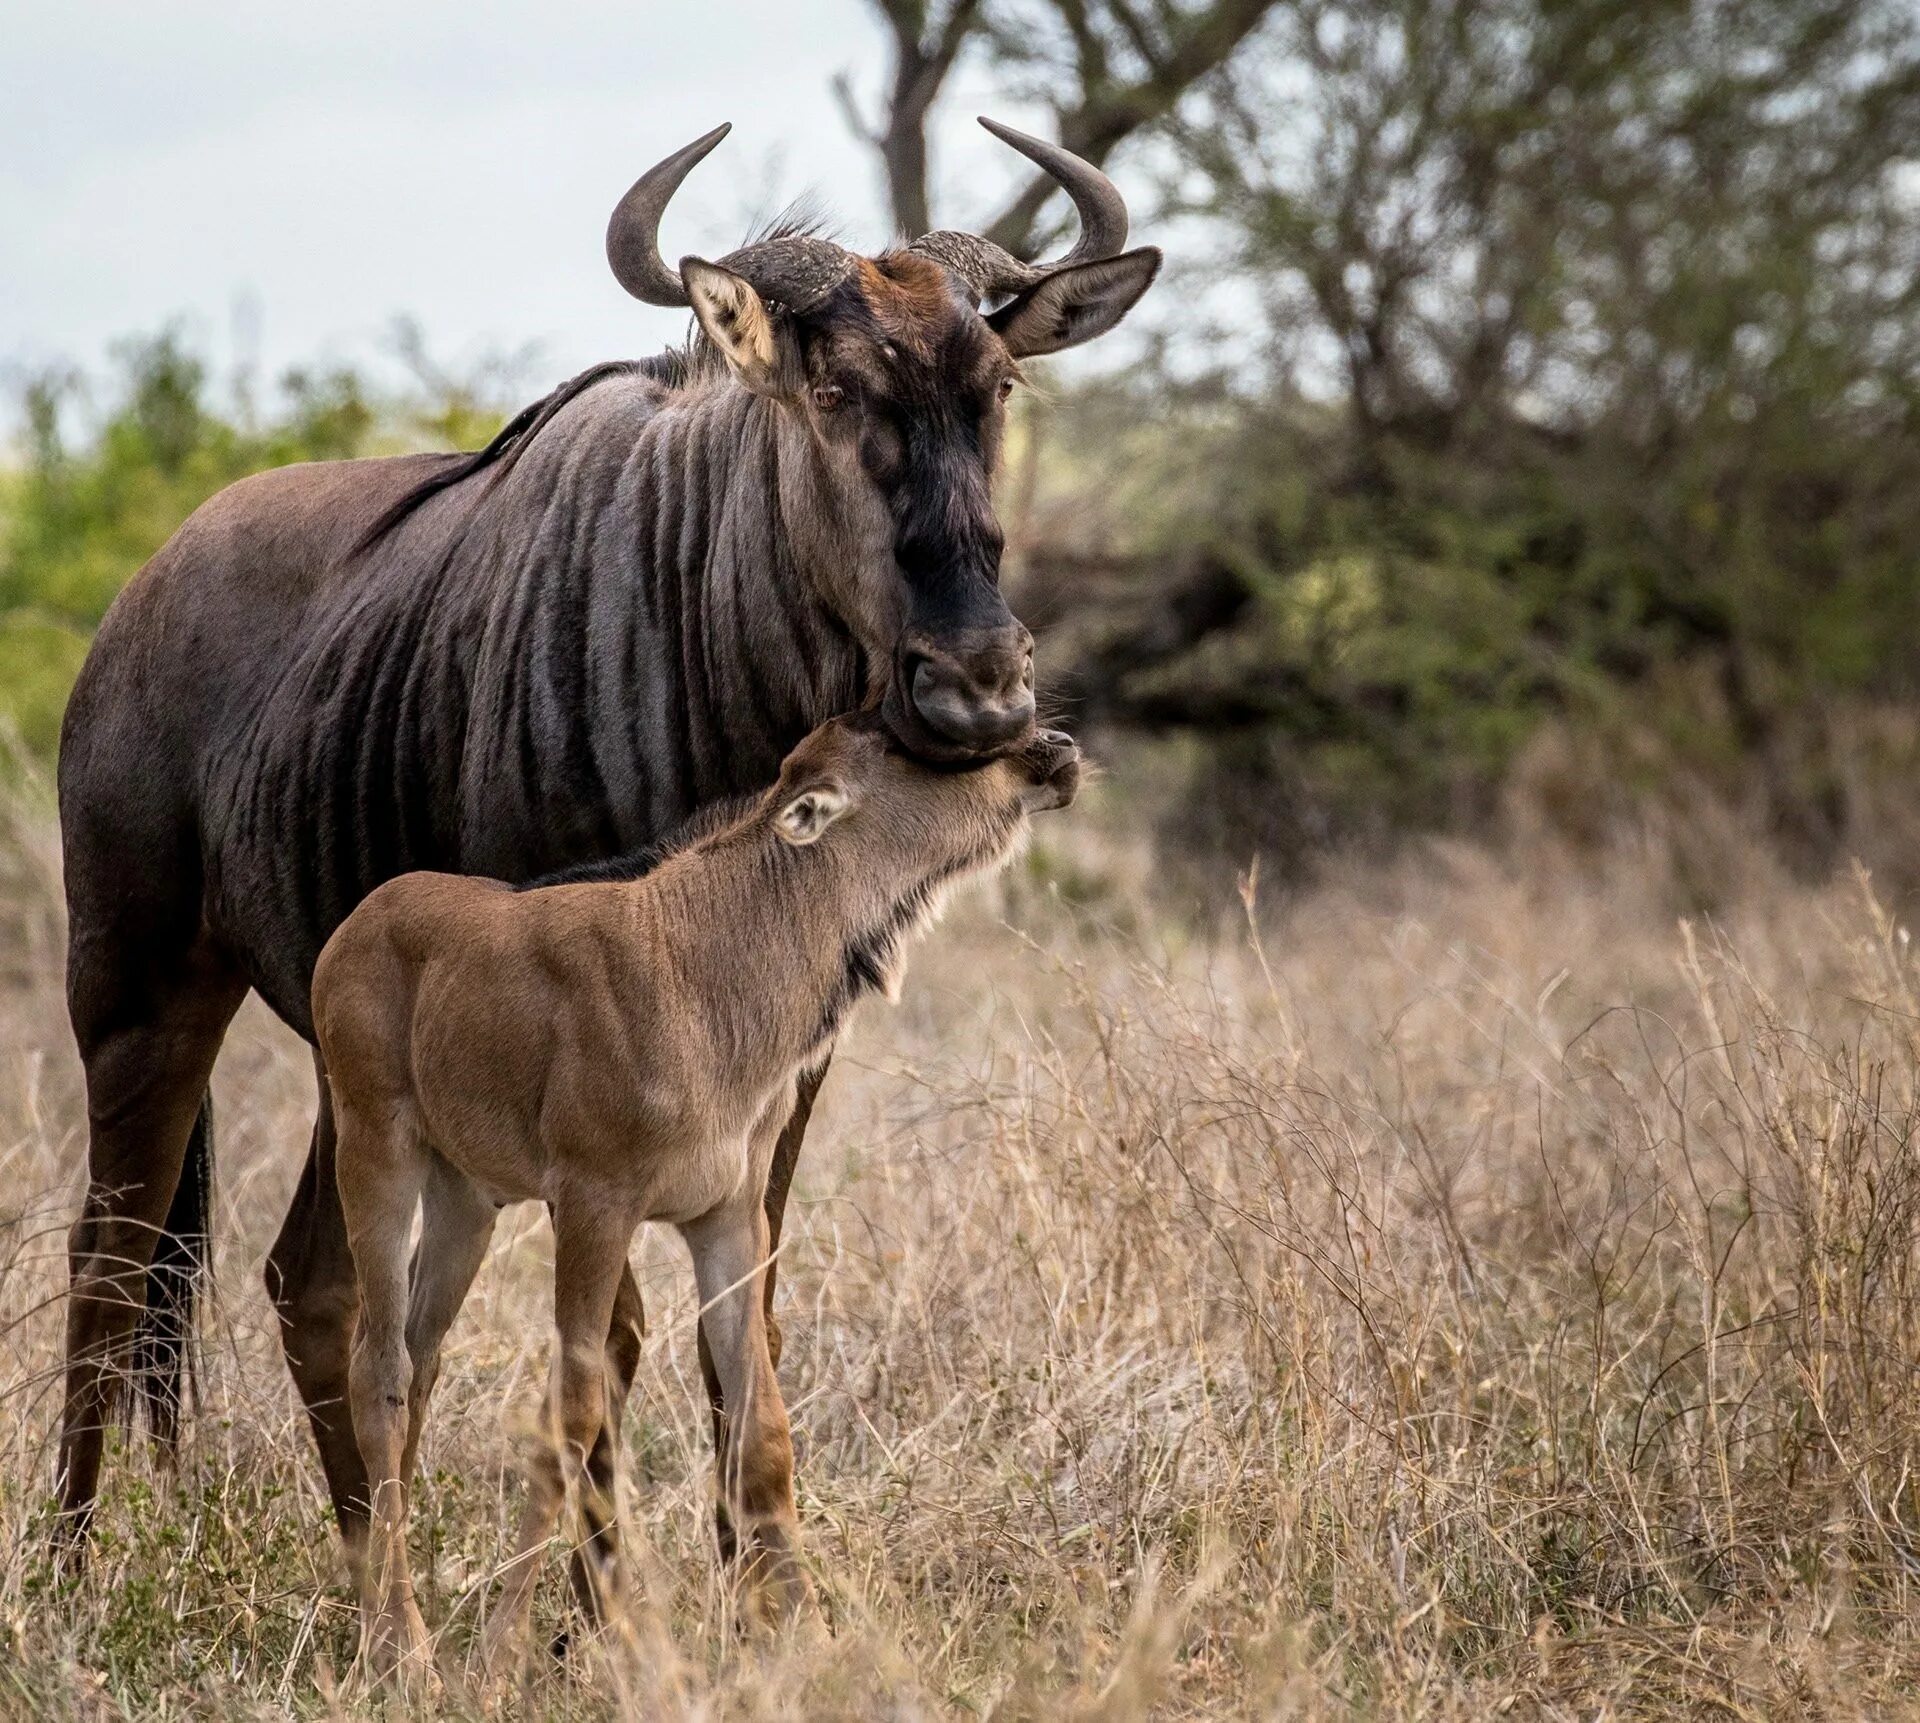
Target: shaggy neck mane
(696, 362)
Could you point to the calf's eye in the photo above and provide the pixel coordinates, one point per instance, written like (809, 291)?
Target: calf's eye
(1006, 387)
(828, 396)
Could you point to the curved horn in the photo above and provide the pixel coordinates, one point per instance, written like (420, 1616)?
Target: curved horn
(1101, 208)
(633, 231)
(991, 269)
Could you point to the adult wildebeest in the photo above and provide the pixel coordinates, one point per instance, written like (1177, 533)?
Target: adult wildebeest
(634, 601)
(624, 1043)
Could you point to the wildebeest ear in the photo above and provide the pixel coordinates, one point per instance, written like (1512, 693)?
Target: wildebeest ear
(808, 814)
(736, 321)
(1076, 303)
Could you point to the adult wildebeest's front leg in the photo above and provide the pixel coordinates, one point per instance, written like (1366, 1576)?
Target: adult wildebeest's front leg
(786, 1155)
(309, 1277)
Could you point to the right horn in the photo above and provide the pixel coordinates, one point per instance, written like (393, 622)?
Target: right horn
(633, 232)
(991, 269)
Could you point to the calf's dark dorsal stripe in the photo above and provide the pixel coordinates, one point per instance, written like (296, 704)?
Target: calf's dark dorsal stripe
(635, 864)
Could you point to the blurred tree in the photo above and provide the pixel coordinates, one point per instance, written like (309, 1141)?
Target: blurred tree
(454, 407)
(926, 42)
(80, 519)
(1593, 353)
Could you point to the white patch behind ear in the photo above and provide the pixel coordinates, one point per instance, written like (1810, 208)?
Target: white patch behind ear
(735, 319)
(807, 815)
(1076, 304)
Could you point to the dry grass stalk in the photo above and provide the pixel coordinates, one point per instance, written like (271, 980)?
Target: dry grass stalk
(1485, 1294)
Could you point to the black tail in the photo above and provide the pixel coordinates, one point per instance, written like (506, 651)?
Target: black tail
(163, 1348)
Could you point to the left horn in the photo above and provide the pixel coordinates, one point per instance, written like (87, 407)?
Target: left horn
(633, 233)
(991, 269)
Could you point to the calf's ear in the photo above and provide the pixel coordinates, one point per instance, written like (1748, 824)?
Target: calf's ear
(1075, 304)
(804, 816)
(736, 321)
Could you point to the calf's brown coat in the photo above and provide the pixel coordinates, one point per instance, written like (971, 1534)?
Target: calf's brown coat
(624, 1050)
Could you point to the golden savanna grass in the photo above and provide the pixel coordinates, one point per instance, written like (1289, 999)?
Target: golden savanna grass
(1461, 1289)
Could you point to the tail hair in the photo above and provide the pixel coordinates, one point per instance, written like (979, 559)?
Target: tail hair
(164, 1351)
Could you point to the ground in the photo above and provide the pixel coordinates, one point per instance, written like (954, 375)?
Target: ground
(1458, 1288)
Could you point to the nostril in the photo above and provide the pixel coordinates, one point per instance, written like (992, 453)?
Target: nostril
(1001, 678)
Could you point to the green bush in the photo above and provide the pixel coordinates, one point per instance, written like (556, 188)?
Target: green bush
(86, 509)
(39, 658)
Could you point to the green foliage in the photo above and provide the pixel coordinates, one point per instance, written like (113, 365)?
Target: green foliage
(80, 520)
(89, 505)
(39, 658)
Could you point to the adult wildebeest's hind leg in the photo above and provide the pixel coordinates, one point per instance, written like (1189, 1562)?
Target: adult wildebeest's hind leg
(309, 1276)
(149, 1016)
(590, 1239)
(786, 1155)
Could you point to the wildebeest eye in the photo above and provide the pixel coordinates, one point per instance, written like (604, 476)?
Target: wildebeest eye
(1006, 387)
(828, 396)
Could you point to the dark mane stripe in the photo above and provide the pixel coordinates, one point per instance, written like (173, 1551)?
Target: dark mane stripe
(513, 437)
(714, 817)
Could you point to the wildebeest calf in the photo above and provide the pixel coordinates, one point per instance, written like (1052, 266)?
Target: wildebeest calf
(623, 1047)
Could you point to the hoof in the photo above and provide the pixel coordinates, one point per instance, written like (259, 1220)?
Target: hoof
(394, 1648)
(777, 1591)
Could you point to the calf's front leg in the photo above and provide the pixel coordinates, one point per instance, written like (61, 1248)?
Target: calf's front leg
(729, 1248)
(599, 1547)
(786, 1154)
(590, 1238)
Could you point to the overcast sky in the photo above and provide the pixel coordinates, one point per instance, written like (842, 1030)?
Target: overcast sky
(289, 178)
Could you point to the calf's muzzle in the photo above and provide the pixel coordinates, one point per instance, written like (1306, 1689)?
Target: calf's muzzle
(1051, 761)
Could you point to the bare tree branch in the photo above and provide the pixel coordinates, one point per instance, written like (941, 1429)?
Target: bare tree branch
(1179, 51)
(926, 43)
(1108, 68)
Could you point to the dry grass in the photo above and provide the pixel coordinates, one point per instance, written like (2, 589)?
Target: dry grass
(1484, 1293)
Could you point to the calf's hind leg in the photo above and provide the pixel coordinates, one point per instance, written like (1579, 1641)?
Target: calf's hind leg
(456, 1226)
